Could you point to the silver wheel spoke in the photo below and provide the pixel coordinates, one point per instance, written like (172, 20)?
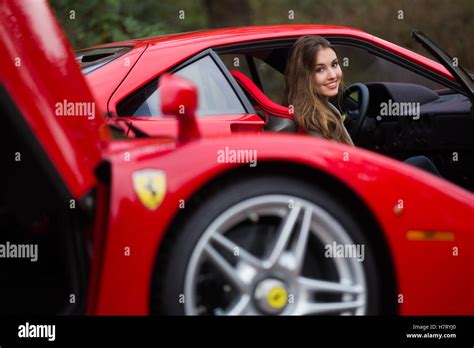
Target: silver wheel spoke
(225, 267)
(243, 254)
(284, 234)
(314, 285)
(302, 240)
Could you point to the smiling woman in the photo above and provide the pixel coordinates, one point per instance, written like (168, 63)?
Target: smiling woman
(313, 75)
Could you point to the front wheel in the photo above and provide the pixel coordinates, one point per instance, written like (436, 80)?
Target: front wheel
(267, 246)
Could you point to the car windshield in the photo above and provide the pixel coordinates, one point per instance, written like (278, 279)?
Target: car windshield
(93, 59)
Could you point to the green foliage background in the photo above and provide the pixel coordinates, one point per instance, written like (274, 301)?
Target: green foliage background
(450, 23)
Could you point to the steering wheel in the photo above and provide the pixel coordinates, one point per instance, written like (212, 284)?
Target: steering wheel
(362, 105)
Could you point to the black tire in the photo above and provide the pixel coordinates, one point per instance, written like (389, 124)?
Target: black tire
(174, 254)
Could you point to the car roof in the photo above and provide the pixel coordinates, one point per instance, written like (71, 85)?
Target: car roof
(237, 34)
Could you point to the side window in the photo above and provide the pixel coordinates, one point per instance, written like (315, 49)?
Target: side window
(359, 65)
(216, 96)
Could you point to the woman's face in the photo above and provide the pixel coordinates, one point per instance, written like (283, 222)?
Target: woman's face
(328, 72)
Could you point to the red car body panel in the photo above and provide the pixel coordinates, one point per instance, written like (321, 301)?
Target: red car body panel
(431, 204)
(106, 80)
(210, 126)
(429, 276)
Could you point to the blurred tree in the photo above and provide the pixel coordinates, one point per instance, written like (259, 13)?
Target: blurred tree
(93, 22)
(228, 13)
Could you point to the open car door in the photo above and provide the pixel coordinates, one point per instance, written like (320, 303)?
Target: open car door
(51, 145)
(449, 63)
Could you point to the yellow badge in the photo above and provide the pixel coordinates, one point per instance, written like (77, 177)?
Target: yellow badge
(150, 186)
(277, 297)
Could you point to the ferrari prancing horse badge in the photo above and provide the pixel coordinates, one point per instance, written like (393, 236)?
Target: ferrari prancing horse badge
(150, 186)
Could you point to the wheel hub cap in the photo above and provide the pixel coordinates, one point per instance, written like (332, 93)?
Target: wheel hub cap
(271, 296)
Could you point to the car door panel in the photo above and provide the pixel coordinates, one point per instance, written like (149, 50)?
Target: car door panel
(208, 126)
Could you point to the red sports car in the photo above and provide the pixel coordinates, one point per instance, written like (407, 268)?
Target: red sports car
(239, 74)
(99, 218)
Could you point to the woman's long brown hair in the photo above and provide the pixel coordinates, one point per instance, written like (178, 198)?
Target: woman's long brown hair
(311, 109)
